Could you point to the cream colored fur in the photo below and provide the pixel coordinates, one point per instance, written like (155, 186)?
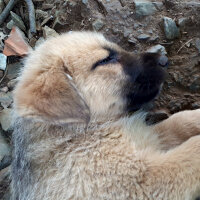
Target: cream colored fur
(73, 141)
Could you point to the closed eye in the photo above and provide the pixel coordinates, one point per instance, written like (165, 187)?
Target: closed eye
(112, 58)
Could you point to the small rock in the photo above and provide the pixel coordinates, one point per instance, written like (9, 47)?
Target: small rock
(39, 41)
(40, 14)
(98, 24)
(10, 24)
(18, 21)
(6, 119)
(4, 89)
(132, 40)
(32, 41)
(6, 99)
(157, 49)
(4, 147)
(197, 44)
(49, 32)
(144, 8)
(16, 44)
(182, 22)
(143, 37)
(2, 5)
(154, 38)
(3, 61)
(47, 6)
(13, 70)
(11, 84)
(170, 28)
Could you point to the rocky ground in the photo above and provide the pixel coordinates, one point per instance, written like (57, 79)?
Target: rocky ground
(169, 26)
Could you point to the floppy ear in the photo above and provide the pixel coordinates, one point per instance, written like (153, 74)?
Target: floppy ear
(50, 95)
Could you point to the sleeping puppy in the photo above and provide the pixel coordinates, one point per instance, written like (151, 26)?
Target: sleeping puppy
(74, 137)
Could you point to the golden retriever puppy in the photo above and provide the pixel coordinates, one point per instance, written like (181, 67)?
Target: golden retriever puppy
(74, 137)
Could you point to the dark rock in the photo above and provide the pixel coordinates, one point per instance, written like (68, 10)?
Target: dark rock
(18, 21)
(170, 28)
(143, 37)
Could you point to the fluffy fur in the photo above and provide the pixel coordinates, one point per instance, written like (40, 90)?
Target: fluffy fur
(74, 138)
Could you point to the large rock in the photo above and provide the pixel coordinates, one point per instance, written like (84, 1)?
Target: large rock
(170, 28)
(144, 8)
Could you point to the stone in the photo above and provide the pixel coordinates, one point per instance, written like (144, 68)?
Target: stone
(49, 32)
(16, 44)
(157, 49)
(2, 5)
(143, 37)
(98, 24)
(40, 14)
(182, 22)
(6, 119)
(6, 99)
(10, 24)
(4, 147)
(144, 8)
(3, 61)
(18, 21)
(11, 84)
(170, 28)
(197, 44)
(132, 40)
(14, 69)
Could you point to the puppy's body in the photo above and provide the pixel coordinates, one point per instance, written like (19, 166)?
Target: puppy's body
(74, 140)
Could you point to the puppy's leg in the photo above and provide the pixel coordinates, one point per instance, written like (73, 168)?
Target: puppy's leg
(178, 128)
(175, 174)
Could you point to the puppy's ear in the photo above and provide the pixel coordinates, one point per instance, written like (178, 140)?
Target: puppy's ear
(50, 95)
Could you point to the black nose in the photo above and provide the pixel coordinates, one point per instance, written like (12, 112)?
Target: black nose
(163, 61)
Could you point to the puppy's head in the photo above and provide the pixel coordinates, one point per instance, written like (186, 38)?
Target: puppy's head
(81, 75)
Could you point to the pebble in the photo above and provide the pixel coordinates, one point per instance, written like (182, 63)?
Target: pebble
(49, 32)
(197, 44)
(157, 49)
(144, 8)
(143, 37)
(98, 24)
(170, 28)
(6, 119)
(3, 61)
(132, 40)
(18, 21)
(2, 5)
